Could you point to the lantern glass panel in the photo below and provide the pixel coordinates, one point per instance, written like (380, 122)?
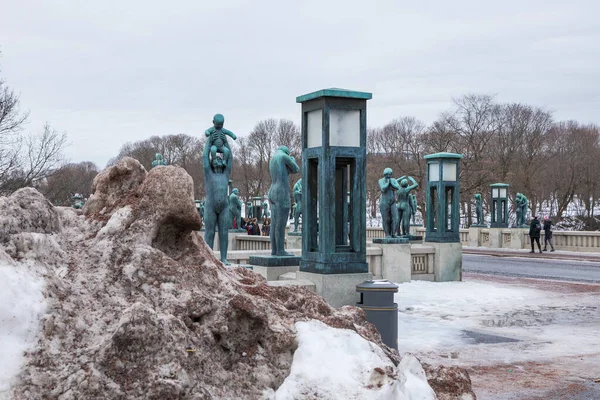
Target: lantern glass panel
(434, 172)
(344, 127)
(503, 192)
(314, 128)
(495, 193)
(449, 171)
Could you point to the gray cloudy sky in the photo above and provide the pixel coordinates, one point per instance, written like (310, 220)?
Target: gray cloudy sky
(108, 71)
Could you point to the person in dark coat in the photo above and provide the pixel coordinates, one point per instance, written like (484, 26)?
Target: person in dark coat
(535, 228)
(548, 234)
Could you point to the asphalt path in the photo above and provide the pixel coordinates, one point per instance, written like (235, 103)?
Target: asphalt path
(564, 270)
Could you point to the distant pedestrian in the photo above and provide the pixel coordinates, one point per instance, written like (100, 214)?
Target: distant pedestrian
(548, 234)
(266, 228)
(534, 233)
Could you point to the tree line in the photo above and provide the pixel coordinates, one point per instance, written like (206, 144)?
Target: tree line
(554, 163)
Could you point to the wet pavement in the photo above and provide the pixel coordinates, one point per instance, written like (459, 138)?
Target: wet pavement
(567, 270)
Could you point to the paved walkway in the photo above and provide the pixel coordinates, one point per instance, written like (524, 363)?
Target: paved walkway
(558, 254)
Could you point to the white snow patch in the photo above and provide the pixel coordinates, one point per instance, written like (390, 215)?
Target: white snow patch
(118, 222)
(22, 304)
(335, 363)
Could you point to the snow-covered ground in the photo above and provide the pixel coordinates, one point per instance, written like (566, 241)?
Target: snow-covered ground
(484, 323)
(354, 368)
(21, 306)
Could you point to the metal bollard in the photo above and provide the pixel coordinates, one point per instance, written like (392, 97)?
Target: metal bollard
(377, 299)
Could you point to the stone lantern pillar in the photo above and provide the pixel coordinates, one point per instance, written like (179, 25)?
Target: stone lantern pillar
(334, 126)
(443, 214)
(499, 195)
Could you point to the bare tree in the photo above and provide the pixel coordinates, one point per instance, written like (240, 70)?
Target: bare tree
(70, 179)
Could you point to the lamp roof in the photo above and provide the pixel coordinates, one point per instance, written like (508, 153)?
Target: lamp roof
(334, 92)
(444, 155)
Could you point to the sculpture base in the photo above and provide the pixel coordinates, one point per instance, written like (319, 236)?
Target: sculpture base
(414, 238)
(238, 230)
(416, 224)
(396, 240)
(337, 289)
(274, 261)
(295, 233)
(478, 226)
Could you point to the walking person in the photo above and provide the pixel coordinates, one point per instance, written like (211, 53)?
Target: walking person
(534, 233)
(548, 234)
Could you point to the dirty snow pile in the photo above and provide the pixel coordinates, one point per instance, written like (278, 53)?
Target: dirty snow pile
(133, 304)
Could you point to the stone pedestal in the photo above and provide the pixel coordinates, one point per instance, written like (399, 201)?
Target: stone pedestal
(448, 261)
(413, 229)
(518, 238)
(293, 240)
(395, 262)
(496, 238)
(475, 235)
(230, 240)
(271, 267)
(396, 240)
(337, 289)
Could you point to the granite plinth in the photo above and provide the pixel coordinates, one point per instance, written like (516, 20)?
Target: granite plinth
(274, 261)
(337, 289)
(396, 240)
(295, 233)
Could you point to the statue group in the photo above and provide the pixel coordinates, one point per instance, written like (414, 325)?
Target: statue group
(478, 209)
(220, 210)
(280, 168)
(235, 209)
(216, 179)
(396, 204)
(521, 204)
(297, 204)
(158, 160)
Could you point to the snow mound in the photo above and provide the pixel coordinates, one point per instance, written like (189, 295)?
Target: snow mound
(351, 366)
(139, 307)
(21, 306)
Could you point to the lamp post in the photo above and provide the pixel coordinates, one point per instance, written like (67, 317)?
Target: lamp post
(499, 194)
(443, 197)
(257, 203)
(443, 215)
(334, 126)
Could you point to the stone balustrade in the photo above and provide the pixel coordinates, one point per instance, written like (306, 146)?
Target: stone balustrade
(252, 242)
(586, 241)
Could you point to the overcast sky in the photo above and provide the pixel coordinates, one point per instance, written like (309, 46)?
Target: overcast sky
(107, 71)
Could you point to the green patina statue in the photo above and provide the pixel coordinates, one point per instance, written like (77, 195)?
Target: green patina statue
(297, 203)
(521, 210)
(158, 160)
(414, 206)
(403, 204)
(387, 207)
(265, 209)
(235, 209)
(478, 208)
(217, 138)
(216, 206)
(280, 167)
(78, 201)
(249, 210)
